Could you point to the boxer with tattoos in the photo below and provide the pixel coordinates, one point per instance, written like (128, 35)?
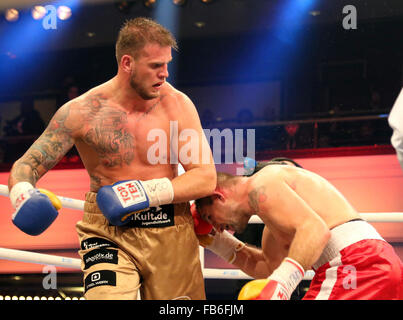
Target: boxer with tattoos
(137, 230)
(308, 224)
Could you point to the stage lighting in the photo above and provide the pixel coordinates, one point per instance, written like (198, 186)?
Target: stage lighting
(38, 12)
(12, 15)
(123, 5)
(314, 13)
(200, 24)
(179, 2)
(63, 12)
(150, 3)
(206, 1)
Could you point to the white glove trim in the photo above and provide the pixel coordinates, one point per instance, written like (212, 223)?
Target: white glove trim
(225, 245)
(159, 191)
(18, 191)
(290, 273)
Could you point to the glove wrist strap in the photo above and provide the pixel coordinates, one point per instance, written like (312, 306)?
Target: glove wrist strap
(226, 246)
(17, 193)
(290, 273)
(159, 191)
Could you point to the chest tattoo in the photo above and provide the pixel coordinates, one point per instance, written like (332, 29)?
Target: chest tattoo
(108, 133)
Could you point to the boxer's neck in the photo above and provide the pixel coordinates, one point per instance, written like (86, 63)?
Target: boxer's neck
(240, 193)
(127, 97)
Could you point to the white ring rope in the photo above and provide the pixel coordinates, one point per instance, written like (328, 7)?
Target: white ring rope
(208, 273)
(369, 217)
(66, 202)
(39, 258)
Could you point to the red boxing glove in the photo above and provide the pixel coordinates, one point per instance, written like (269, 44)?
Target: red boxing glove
(201, 227)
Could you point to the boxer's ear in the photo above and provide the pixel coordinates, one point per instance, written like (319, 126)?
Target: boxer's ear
(219, 195)
(127, 63)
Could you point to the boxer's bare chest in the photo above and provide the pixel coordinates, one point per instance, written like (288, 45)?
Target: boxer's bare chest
(118, 137)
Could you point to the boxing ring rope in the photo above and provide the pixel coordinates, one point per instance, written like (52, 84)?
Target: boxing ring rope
(66, 202)
(208, 273)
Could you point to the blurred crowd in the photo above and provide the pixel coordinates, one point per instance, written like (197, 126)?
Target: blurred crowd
(332, 129)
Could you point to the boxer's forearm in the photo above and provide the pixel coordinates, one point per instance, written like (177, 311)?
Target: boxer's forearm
(39, 159)
(309, 241)
(22, 171)
(252, 261)
(46, 151)
(194, 184)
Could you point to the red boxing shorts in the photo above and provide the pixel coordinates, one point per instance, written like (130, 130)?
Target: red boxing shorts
(357, 264)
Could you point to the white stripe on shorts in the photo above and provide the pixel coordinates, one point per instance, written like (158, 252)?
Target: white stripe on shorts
(330, 279)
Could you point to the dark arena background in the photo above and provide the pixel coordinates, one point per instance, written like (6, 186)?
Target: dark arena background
(309, 81)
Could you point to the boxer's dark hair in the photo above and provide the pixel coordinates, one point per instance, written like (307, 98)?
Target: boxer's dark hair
(275, 161)
(136, 33)
(283, 159)
(206, 201)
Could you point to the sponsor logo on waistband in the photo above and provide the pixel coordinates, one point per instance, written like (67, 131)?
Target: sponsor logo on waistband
(95, 242)
(158, 217)
(100, 278)
(96, 256)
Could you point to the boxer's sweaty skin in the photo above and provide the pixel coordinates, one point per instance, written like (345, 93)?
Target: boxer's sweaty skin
(122, 131)
(298, 209)
(287, 197)
(115, 134)
(295, 183)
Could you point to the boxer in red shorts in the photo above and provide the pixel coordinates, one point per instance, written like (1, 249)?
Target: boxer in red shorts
(356, 264)
(308, 224)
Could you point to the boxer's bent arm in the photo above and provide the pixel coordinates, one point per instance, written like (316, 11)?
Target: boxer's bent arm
(45, 152)
(311, 232)
(289, 212)
(195, 183)
(252, 261)
(309, 241)
(200, 177)
(260, 263)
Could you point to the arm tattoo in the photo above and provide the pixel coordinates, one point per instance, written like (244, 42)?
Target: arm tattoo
(95, 182)
(46, 151)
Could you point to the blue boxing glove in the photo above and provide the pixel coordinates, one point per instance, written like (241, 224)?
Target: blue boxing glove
(124, 198)
(36, 209)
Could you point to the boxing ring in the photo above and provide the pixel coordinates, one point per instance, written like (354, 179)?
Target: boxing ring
(208, 273)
